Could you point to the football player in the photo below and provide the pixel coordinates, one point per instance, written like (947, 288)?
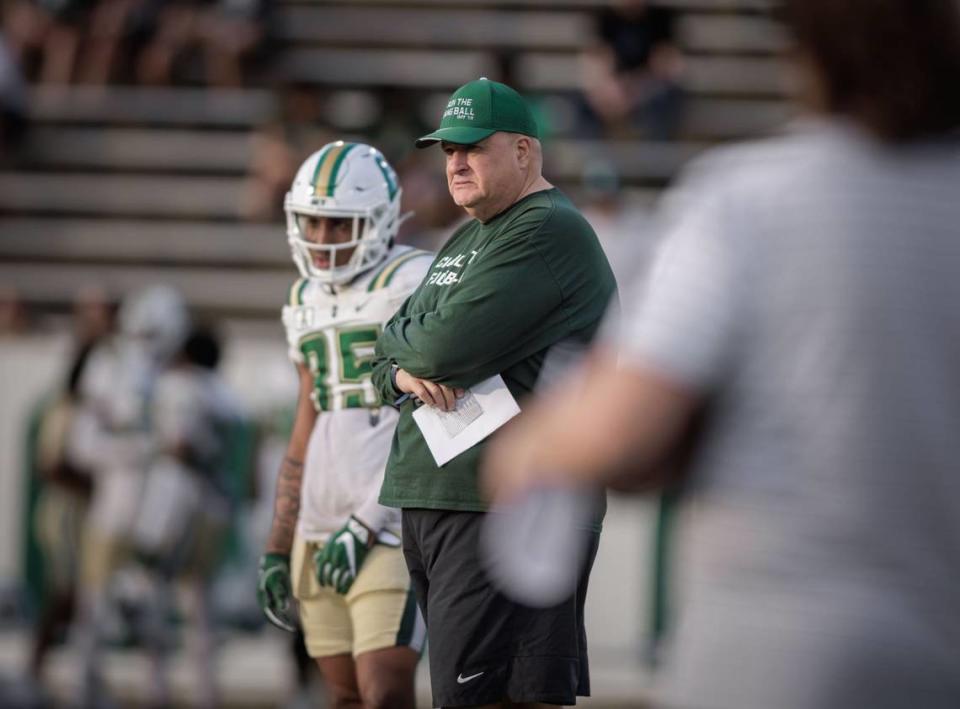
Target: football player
(332, 545)
(113, 439)
(184, 510)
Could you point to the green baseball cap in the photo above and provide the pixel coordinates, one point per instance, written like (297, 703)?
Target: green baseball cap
(479, 109)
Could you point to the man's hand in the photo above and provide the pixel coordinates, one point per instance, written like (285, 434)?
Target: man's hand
(343, 555)
(430, 393)
(273, 590)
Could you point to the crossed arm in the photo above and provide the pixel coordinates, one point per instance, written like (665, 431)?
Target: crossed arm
(441, 350)
(430, 393)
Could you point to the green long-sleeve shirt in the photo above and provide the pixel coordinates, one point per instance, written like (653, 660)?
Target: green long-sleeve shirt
(496, 298)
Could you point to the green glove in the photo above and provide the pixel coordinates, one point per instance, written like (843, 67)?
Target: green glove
(273, 590)
(342, 556)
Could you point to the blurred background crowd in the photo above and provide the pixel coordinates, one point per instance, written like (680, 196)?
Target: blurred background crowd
(147, 142)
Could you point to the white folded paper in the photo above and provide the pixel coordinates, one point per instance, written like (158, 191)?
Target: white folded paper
(481, 411)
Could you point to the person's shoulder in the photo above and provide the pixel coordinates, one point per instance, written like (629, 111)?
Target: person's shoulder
(544, 217)
(539, 206)
(303, 293)
(403, 264)
(299, 291)
(760, 166)
(561, 231)
(562, 215)
(750, 155)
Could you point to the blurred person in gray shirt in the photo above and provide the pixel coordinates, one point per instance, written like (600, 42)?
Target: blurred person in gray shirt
(804, 309)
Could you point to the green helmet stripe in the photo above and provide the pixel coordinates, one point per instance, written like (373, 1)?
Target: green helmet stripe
(391, 182)
(326, 181)
(320, 160)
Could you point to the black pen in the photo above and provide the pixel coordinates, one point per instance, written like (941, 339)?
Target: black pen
(401, 399)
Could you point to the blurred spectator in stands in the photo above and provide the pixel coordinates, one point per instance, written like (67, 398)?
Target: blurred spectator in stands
(173, 34)
(630, 76)
(65, 483)
(277, 145)
(184, 508)
(51, 29)
(225, 32)
(13, 100)
(112, 25)
(14, 318)
(231, 32)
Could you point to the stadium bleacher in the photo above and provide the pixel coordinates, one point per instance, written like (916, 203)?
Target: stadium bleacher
(126, 183)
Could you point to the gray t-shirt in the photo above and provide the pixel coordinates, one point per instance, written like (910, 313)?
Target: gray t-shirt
(809, 286)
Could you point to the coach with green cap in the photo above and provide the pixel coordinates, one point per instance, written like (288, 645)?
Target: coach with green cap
(525, 274)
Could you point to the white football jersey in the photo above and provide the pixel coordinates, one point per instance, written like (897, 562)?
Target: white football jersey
(193, 406)
(333, 331)
(111, 433)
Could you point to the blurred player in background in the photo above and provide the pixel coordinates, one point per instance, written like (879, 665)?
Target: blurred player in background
(804, 302)
(65, 485)
(184, 510)
(332, 545)
(112, 439)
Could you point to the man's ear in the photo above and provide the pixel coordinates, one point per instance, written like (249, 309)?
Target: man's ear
(523, 150)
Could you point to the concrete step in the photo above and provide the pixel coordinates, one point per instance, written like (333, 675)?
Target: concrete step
(225, 291)
(634, 160)
(747, 76)
(143, 241)
(409, 68)
(402, 26)
(735, 34)
(181, 197)
(178, 106)
(141, 149)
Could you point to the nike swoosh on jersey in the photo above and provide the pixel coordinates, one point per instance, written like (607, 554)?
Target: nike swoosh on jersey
(463, 680)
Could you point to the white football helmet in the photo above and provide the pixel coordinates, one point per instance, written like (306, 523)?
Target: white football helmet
(157, 318)
(350, 180)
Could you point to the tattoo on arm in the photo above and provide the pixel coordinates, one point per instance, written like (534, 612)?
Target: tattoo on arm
(286, 506)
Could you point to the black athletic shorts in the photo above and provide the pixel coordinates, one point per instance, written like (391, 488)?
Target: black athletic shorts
(483, 647)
